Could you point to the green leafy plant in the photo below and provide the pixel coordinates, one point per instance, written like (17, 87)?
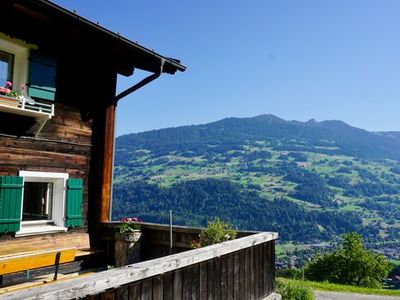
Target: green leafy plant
(217, 231)
(350, 264)
(195, 244)
(128, 225)
(293, 290)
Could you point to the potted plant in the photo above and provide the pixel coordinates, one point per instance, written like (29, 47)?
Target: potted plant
(13, 98)
(217, 231)
(7, 96)
(128, 229)
(127, 241)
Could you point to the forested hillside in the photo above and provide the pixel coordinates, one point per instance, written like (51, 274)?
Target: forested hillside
(308, 180)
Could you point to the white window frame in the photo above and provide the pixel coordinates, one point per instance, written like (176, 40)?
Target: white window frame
(59, 181)
(20, 50)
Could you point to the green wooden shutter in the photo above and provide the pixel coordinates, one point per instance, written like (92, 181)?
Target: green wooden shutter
(10, 203)
(42, 75)
(74, 203)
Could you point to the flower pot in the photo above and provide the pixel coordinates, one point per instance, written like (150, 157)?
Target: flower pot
(9, 101)
(131, 237)
(127, 248)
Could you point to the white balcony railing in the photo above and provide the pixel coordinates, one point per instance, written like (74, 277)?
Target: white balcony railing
(26, 106)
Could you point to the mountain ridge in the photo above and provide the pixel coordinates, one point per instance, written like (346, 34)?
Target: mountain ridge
(362, 142)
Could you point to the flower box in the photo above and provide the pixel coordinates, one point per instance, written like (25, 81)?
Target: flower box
(9, 101)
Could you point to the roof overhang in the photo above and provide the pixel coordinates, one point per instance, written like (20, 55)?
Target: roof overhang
(46, 22)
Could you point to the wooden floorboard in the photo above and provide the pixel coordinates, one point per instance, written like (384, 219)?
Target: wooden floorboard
(12, 246)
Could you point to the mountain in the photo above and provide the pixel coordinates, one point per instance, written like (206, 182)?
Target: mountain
(308, 180)
(347, 139)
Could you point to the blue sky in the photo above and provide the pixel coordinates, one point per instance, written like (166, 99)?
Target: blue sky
(333, 59)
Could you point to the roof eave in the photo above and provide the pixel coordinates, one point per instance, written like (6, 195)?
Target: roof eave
(170, 65)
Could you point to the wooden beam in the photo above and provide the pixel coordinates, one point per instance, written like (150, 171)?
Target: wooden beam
(101, 167)
(108, 156)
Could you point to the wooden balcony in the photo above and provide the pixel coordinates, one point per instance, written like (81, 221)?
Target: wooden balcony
(240, 269)
(31, 108)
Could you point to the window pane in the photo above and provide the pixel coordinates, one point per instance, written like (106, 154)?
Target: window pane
(6, 67)
(37, 201)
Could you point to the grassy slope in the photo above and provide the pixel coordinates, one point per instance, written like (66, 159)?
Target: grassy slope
(324, 286)
(169, 169)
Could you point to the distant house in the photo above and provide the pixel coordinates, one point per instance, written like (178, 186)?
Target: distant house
(57, 124)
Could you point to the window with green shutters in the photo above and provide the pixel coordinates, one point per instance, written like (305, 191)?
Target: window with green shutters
(74, 203)
(10, 203)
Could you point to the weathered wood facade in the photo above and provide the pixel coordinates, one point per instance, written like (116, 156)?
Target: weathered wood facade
(64, 146)
(64, 156)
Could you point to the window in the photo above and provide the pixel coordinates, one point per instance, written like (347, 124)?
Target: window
(43, 201)
(6, 66)
(16, 59)
(38, 200)
(13, 61)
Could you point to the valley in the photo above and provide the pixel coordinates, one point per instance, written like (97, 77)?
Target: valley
(310, 181)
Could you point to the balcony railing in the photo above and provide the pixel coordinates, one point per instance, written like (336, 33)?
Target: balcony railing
(27, 107)
(240, 269)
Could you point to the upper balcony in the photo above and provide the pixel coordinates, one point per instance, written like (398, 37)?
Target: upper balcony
(26, 106)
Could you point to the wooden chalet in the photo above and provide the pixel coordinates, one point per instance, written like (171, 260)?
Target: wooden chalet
(57, 132)
(58, 75)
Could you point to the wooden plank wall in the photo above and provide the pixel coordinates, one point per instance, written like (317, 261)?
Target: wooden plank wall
(64, 146)
(156, 240)
(246, 274)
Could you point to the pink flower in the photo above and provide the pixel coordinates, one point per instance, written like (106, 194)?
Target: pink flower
(130, 220)
(4, 91)
(8, 84)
